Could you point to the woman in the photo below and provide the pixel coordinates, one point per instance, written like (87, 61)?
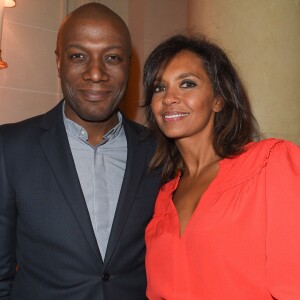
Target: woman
(227, 219)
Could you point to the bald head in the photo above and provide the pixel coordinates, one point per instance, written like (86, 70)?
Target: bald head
(93, 12)
(93, 62)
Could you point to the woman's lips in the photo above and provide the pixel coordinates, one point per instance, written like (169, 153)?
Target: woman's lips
(174, 116)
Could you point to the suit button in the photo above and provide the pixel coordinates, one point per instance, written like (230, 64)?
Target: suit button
(105, 276)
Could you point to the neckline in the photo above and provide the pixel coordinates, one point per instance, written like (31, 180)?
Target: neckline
(213, 188)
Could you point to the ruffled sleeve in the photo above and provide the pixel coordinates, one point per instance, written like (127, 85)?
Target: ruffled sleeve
(283, 221)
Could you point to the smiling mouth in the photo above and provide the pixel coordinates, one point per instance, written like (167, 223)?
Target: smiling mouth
(175, 116)
(94, 95)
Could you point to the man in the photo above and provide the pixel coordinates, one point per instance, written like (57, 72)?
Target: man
(75, 190)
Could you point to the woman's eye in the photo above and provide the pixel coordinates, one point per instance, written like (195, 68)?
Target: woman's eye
(158, 88)
(188, 84)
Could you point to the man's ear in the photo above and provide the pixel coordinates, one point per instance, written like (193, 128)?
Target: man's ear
(219, 104)
(57, 62)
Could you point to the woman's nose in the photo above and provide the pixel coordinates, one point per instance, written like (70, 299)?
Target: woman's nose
(170, 97)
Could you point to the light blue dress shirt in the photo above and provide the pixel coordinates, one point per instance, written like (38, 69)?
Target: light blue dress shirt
(100, 170)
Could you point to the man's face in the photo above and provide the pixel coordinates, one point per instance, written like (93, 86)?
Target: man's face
(93, 64)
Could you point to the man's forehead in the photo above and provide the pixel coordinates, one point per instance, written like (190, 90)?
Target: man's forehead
(94, 24)
(95, 34)
(97, 26)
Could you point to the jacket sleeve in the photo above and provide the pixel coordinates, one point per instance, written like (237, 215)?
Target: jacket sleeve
(283, 221)
(7, 230)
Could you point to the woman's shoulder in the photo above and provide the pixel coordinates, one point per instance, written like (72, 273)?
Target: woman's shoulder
(258, 155)
(264, 150)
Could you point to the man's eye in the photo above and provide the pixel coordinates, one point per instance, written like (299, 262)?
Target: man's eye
(188, 84)
(77, 56)
(158, 88)
(113, 58)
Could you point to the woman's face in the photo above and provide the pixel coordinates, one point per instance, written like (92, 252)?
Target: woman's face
(183, 103)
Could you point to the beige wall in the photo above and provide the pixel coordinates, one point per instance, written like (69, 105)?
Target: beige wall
(263, 40)
(29, 86)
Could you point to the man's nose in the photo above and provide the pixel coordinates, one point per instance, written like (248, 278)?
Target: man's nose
(96, 71)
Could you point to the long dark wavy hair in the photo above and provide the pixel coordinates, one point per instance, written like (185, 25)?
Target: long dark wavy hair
(234, 125)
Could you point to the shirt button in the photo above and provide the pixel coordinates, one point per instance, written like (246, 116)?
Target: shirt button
(105, 276)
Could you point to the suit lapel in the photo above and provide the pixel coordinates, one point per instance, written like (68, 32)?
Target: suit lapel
(133, 174)
(54, 142)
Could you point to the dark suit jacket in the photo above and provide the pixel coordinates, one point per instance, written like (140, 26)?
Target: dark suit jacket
(45, 226)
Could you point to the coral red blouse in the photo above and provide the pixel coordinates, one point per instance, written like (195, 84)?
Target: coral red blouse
(243, 239)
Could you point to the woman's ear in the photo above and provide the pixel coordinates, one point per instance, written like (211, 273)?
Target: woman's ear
(219, 104)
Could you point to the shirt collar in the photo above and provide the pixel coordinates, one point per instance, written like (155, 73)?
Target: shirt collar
(80, 133)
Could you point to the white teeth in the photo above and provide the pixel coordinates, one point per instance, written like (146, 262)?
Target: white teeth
(175, 116)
